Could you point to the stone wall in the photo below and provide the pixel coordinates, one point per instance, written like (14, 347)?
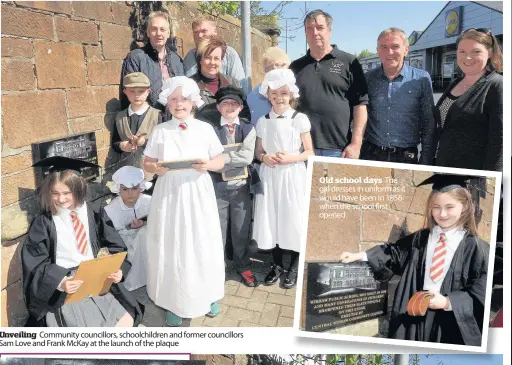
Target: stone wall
(61, 64)
(364, 229)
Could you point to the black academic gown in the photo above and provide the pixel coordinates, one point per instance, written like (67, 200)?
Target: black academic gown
(464, 283)
(42, 276)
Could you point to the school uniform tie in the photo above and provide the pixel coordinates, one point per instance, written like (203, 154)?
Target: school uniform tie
(231, 128)
(183, 126)
(80, 234)
(437, 268)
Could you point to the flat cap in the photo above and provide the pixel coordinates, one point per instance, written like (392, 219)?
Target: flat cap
(136, 79)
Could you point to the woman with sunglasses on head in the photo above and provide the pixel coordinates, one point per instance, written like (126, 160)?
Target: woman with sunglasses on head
(470, 111)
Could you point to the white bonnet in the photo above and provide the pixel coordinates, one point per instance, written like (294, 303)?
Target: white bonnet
(189, 87)
(130, 177)
(278, 78)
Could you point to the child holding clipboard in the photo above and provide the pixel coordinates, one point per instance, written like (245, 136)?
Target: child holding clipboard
(184, 242)
(237, 180)
(66, 233)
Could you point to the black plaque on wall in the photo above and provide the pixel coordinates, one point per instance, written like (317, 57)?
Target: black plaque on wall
(80, 146)
(339, 294)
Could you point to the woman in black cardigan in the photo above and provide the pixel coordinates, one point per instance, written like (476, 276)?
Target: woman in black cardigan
(470, 112)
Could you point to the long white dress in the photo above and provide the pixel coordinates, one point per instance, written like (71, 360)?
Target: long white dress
(279, 210)
(134, 239)
(184, 242)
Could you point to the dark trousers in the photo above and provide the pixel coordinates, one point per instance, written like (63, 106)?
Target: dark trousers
(235, 212)
(292, 257)
(369, 151)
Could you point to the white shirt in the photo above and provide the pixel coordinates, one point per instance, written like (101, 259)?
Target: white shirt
(453, 239)
(223, 121)
(229, 137)
(121, 215)
(138, 112)
(67, 254)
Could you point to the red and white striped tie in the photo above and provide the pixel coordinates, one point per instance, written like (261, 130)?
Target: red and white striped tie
(81, 236)
(437, 268)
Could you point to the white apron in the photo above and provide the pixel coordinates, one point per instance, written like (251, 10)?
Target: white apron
(279, 210)
(184, 242)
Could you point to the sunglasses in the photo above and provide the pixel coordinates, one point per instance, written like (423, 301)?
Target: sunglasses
(486, 31)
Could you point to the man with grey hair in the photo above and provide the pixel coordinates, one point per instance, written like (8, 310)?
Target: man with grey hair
(401, 109)
(156, 59)
(333, 92)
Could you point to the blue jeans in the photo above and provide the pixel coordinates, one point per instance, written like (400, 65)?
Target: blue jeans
(327, 153)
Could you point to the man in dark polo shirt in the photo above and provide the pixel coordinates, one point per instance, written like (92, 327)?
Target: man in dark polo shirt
(401, 110)
(333, 91)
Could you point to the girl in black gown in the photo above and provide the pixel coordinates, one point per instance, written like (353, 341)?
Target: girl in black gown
(447, 259)
(67, 232)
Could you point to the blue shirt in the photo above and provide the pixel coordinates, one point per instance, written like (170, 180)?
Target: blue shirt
(258, 104)
(401, 111)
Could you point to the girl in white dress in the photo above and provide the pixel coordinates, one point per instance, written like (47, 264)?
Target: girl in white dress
(279, 211)
(127, 212)
(184, 243)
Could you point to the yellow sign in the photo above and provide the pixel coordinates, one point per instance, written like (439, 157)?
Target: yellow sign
(452, 22)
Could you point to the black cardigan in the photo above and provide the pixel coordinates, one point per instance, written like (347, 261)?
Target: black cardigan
(472, 135)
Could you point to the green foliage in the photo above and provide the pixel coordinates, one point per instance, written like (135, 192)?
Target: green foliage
(229, 8)
(368, 359)
(332, 359)
(259, 16)
(364, 53)
(220, 7)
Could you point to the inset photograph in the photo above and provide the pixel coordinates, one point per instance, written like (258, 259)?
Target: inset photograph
(400, 254)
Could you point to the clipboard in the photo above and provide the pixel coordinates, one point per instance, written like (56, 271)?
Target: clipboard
(179, 164)
(94, 274)
(237, 173)
(231, 147)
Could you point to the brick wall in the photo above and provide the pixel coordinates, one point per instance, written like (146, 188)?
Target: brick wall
(61, 64)
(364, 229)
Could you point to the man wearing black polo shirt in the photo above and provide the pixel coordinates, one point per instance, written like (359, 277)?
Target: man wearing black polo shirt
(333, 91)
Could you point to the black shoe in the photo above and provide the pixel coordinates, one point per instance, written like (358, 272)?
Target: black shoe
(249, 279)
(275, 273)
(291, 279)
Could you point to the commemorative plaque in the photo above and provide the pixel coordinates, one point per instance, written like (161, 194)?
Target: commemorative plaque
(81, 146)
(339, 294)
